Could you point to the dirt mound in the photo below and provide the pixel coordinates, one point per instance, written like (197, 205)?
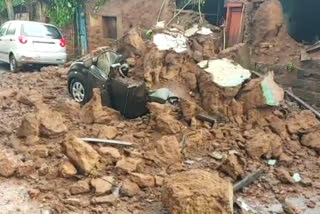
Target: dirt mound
(268, 21)
(197, 191)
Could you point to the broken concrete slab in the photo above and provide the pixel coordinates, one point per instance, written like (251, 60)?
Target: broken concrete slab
(225, 73)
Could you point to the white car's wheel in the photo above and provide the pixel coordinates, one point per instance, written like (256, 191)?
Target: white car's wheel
(13, 64)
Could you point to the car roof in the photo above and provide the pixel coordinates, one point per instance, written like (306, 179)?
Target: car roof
(25, 22)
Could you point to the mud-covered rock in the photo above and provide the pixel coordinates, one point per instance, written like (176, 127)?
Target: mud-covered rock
(284, 176)
(302, 122)
(102, 185)
(108, 199)
(108, 132)
(7, 166)
(41, 151)
(80, 187)
(67, 169)
(81, 154)
(29, 126)
(30, 97)
(264, 144)
(312, 140)
(52, 124)
(197, 191)
(4, 130)
(267, 21)
(130, 188)
(168, 124)
(69, 108)
(94, 112)
(25, 169)
(129, 164)
(143, 180)
(233, 166)
(165, 151)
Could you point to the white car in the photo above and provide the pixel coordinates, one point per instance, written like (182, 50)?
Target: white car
(25, 42)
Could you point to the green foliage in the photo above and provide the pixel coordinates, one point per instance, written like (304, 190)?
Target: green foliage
(291, 67)
(62, 12)
(3, 6)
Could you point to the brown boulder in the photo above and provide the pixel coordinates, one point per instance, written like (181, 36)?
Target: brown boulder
(94, 112)
(25, 169)
(108, 132)
(52, 123)
(111, 152)
(284, 176)
(7, 166)
(81, 154)
(40, 151)
(168, 124)
(267, 144)
(130, 189)
(189, 109)
(143, 180)
(30, 97)
(69, 108)
(80, 187)
(108, 199)
(233, 167)
(29, 126)
(165, 152)
(302, 122)
(197, 191)
(129, 164)
(67, 170)
(102, 185)
(267, 21)
(312, 140)
(4, 130)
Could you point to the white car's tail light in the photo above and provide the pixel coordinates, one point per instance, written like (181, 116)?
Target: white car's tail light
(23, 39)
(62, 43)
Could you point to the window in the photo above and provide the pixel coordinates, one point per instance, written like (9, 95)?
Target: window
(40, 30)
(105, 60)
(3, 29)
(110, 27)
(11, 30)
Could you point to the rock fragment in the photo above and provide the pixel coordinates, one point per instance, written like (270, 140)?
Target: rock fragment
(102, 185)
(67, 169)
(130, 188)
(129, 164)
(81, 154)
(29, 126)
(164, 152)
(143, 180)
(302, 122)
(80, 187)
(197, 191)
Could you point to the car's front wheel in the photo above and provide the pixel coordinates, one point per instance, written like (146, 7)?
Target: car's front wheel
(79, 90)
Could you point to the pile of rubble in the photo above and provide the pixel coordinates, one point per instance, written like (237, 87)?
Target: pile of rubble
(178, 163)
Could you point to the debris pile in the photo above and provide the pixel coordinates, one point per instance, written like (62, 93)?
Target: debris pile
(184, 158)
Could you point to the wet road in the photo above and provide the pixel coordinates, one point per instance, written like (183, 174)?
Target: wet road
(3, 68)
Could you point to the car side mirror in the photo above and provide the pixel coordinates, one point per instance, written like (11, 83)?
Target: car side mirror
(88, 62)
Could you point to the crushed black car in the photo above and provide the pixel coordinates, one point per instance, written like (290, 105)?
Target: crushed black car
(109, 72)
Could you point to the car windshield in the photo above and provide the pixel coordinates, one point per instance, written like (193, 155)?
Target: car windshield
(40, 30)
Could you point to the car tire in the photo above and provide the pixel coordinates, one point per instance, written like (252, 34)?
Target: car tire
(14, 67)
(79, 89)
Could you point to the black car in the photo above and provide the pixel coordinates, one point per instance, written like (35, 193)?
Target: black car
(108, 71)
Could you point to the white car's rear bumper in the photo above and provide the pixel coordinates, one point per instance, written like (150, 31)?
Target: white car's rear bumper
(41, 58)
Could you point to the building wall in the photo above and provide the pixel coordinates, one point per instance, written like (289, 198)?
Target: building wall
(129, 13)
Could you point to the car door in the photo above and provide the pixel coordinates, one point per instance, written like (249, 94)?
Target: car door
(3, 48)
(10, 41)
